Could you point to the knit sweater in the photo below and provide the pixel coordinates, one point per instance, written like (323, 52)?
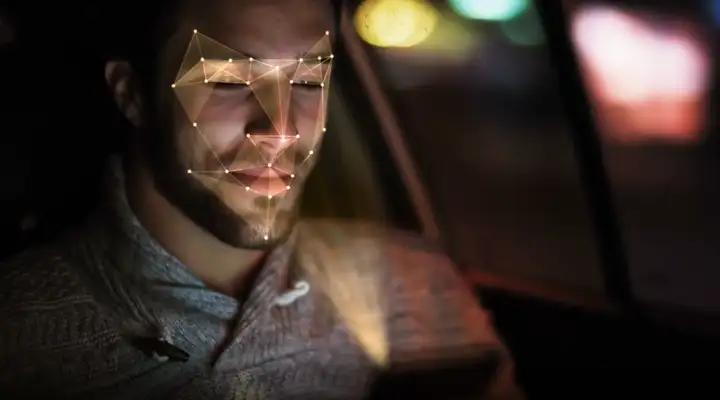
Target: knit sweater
(106, 313)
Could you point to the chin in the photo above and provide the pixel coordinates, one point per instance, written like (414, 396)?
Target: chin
(259, 235)
(238, 219)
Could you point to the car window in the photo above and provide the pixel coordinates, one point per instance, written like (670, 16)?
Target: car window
(479, 104)
(356, 176)
(650, 72)
(477, 100)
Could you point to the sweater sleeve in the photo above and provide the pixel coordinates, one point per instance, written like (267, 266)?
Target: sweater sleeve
(435, 318)
(53, 335)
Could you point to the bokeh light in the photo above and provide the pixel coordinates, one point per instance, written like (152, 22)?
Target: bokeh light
(395, 23)
(525, 29)
(489, 10)
(451, 38)
(714, 8)
(648, 84)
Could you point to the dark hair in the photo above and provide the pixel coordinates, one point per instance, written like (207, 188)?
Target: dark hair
(143, 28)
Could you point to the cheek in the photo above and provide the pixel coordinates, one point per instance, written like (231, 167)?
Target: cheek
(302, 172)
(192, 151)
(309, 111)
(218, 128)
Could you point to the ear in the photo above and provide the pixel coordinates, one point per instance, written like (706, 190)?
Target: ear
(122, 81)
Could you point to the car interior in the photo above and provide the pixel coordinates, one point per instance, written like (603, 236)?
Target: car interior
(590, 232)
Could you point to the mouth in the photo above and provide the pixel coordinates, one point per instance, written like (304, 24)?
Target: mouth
(266, 181)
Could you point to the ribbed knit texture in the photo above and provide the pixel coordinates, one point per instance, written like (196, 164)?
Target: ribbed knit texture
(72, 312)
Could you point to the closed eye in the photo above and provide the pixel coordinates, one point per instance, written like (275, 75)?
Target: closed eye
(307, 85)
(229, 85)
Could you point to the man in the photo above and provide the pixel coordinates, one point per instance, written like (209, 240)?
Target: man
(196, 280)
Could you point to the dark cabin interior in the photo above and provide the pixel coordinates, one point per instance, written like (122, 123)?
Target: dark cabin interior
(60, 124)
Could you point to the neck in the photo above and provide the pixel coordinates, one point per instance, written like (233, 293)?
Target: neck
(220, 266)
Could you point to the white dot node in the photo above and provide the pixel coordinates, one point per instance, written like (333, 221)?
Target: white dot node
(194, 30)
(172, 86)
(195, 124)
(269, 165)
(292, 175)
(300, 59)
(206, 81)
(266, 237)
(287, 187)
(319, 58)
(189, 171)
(227, 171)
(202, 59)
(269, 196)
(297, 136)
(327, 33)
(251, 59)
(229, 59)
(311, 152)
(247, 188)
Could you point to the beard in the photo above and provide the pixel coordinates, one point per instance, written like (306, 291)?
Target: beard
(203, 207)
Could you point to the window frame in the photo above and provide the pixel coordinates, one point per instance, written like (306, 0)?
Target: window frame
(388, 128)
(594, 177)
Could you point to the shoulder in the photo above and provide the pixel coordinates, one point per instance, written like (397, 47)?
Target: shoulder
(49, 315)
(428, 304)
(40, 278)
(414, 267)
(433, 312)
(432, 316)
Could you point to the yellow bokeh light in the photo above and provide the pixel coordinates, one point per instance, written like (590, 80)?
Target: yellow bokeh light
(395, 23)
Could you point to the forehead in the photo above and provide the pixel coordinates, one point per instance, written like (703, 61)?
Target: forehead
(264, 29)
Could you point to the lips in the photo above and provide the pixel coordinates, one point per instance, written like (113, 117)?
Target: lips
(266, 181)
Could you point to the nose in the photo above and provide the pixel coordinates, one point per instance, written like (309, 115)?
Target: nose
(270, 114)
(260, 124)
(271, 95)
(267, 139)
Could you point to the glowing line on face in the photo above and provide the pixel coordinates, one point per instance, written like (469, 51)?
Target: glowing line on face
(208, 62)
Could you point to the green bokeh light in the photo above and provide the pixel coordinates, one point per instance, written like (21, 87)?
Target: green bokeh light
(490, 10)
(524, 30)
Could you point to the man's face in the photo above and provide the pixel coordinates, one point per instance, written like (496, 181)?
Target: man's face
(242, 107)
(7, 32)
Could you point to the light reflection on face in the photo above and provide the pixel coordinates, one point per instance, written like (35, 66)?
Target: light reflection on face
(246, 130)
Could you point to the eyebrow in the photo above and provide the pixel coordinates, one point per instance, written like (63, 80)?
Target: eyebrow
(303, 55)
(326, 53)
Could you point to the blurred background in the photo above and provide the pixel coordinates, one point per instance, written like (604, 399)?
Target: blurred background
(475, 90)
(478, 100)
